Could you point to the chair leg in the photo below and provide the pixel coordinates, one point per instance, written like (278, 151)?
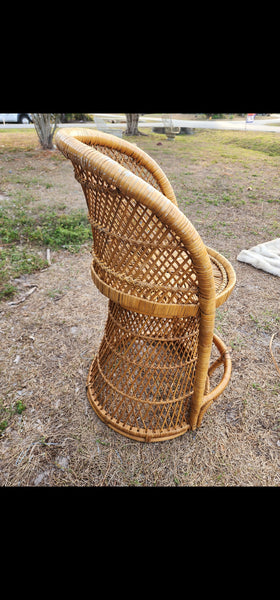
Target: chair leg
(225, 361)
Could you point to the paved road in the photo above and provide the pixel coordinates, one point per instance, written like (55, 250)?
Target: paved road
(146, 121)
(259, 125)
(237, 125)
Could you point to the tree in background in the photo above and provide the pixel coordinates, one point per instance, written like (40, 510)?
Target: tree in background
(132, 123)
(45, 125)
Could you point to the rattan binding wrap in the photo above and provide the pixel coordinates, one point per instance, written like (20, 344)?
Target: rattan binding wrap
(150, 377)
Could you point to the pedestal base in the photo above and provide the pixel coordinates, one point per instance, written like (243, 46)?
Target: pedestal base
(141, 381)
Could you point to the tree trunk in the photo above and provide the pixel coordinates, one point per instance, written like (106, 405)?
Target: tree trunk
(45, 125)
(132, 123)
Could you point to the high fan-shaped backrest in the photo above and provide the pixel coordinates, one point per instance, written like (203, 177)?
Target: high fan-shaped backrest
(147, 256)
(139, 246)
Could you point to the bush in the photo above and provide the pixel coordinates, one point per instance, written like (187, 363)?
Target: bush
(68, 117)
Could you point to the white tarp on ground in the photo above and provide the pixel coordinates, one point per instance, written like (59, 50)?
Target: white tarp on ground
(264, 256)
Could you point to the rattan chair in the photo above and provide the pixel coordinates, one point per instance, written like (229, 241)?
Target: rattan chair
(150, 379)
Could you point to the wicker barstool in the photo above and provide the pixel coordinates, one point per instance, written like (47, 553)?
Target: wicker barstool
(150, 379)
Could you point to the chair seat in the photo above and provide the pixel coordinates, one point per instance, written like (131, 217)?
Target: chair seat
(224, 279)
(224, 276)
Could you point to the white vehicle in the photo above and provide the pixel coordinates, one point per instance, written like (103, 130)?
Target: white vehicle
(23, 118)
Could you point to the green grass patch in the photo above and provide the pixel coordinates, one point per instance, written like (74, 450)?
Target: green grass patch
(266, 321)
(47, 228)
(69, 231)
(257, 143)
(23, 230)
(7, 412)
(16, 261)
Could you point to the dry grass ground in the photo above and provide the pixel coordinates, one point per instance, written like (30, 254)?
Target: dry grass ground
(227, 183)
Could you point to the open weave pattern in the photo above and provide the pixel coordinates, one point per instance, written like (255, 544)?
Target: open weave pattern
(129, 162)
(141, 381)
(129, 156)
(133, 250)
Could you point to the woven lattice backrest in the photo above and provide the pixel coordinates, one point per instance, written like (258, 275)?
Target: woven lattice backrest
(136, 251)
(129, 156)
(133, 250)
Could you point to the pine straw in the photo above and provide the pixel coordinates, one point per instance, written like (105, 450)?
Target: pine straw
(59, 441)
